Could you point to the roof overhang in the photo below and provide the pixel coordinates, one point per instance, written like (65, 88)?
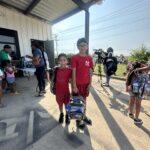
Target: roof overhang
(52, 11)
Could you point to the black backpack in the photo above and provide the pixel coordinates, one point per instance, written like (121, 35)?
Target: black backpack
(54, 81)
(111, 64)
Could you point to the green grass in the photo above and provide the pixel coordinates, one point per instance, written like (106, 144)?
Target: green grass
(121, 69)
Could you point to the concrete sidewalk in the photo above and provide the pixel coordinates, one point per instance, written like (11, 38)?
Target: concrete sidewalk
(31, 123)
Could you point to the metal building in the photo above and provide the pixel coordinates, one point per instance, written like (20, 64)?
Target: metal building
(22, 21)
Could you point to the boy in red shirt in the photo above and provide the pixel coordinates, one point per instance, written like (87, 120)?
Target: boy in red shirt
(82, 66)
(63, 76)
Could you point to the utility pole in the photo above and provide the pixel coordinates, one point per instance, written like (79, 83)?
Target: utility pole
(87, 23)
(56, 42)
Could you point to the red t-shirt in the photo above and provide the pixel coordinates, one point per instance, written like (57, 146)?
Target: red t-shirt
(62, 80)
(83, 66)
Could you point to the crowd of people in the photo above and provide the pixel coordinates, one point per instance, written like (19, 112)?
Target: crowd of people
(78, 73)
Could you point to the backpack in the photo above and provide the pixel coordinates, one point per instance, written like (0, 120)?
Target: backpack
(136, 87)
(147, 91)
(76, 108)
(140, 85)
(111, 64)
(53, 89)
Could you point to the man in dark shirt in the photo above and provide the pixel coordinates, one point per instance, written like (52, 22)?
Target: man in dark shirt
(40, 67)
(110, 65)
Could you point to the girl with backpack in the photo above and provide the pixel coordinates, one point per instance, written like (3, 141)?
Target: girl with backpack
(135, 90)
(61, 77)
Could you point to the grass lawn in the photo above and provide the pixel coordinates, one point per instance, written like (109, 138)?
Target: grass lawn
(121, 69)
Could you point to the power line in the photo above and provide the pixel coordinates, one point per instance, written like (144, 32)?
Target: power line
(122, 11)
(108, 15)
(100, 28)
(108, 28)
(105, 37)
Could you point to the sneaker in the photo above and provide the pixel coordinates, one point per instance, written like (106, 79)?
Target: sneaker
(16, 93)
(39, 94)
(44, 91)
(67, 119)
(138, 121)
(80, 124)
(61, 118)
(131, 115)
(106, 84)
(87, 120)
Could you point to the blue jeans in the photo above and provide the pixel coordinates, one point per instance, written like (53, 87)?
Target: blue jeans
(40, 77)
(107, 77)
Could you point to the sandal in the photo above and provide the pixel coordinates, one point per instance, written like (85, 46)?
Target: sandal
(131, 115)
(138, 121)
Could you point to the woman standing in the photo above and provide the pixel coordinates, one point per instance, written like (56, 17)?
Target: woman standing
(38, 62)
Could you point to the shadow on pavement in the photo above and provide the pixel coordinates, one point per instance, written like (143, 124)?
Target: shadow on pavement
(78, 138)
(24, 122)
(123, 98)
(118, 134)
(144, 129)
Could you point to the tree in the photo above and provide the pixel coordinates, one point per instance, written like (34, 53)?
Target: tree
(140, 54)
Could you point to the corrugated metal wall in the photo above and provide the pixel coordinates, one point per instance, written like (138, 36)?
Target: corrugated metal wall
(27, 27)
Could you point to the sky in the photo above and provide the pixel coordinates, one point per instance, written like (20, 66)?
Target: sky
(123, 25)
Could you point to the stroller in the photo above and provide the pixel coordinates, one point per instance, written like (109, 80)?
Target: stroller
(76, 108)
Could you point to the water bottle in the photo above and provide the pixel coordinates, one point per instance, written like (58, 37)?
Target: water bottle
(136, 87)
(67, 108)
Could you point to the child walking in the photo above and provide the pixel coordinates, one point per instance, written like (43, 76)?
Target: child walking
(82, 66)
(63, 76)
(135, 97)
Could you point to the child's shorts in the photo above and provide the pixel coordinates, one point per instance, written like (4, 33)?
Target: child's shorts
(135, 95)
(10, 80)
(62, 99)
(83, 90)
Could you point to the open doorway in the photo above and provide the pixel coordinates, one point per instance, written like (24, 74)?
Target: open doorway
(49, 48)
(10, 37)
